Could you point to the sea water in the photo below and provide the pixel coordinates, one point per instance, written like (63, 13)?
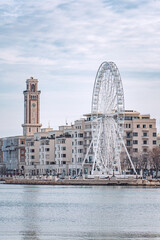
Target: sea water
(35, 212)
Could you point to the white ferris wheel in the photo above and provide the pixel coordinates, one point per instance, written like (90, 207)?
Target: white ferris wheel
(107, 119)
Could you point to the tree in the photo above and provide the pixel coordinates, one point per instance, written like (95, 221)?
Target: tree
(141, 161)
(155, 159)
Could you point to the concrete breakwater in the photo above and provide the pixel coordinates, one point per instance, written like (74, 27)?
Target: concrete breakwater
(89, 182)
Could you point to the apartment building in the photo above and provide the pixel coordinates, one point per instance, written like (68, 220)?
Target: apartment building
(140, 137)
(140, 133)
(88, 147)
(1, 152)
(49, 152)
(2, 165)
(63, 153)
(14, 154)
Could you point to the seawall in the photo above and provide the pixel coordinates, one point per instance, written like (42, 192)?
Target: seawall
(85, 182)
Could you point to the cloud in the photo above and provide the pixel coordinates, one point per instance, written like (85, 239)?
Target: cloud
(63, 42)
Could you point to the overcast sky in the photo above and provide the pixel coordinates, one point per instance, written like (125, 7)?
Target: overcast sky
(63, 42)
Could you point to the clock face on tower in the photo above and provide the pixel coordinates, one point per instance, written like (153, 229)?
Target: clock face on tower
(33, 104)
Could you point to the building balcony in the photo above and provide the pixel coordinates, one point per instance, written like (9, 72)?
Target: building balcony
(129, 146)
(128, 137)
(86, 145)
(145, 137)
(88, 163)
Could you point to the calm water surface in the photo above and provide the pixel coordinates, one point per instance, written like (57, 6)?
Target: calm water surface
(81, 213)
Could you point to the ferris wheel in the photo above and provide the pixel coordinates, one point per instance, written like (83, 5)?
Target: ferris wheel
(107, 114)
(107, 121)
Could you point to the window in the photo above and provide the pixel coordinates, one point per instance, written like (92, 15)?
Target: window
(128, 143)
(32, 143)
(32, 150)
(128, 118)
(144, 125)
(138, 125)
(145, 142)
(128, 126)
(79, 159)
(32, 157)
(90, 159)
(80, 134)
(145, 117)
(63, 155)
(135, 141)
(135, 134)
(128, 134)
(145, 150)
(145, 134)
(32, 88)
(80, 150)
(154, 134)
(154, 142)
(135, 149)
(63, 148)
(80, 142)
(47, 149)
(150, 126)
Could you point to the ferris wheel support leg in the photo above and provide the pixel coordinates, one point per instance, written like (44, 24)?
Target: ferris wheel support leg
(129, 157)
(95, 156)
(87, 152)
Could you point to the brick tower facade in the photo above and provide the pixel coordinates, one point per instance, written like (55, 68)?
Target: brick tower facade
(31, 108)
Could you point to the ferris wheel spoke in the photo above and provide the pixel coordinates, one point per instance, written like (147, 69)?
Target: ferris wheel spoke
(111, 104)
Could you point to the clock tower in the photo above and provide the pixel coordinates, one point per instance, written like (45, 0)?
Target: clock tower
(31, 108)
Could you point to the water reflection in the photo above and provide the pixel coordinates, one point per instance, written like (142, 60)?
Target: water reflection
(30, 213)
(30, 235)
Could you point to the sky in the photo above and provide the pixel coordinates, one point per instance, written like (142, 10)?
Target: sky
(62, 44)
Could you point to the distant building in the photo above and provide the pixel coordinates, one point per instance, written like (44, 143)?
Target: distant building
(14, 154)
(1, 152)
(49, 152)
(140, 133)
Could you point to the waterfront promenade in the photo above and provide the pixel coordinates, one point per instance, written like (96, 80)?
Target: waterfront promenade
(85, 182)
